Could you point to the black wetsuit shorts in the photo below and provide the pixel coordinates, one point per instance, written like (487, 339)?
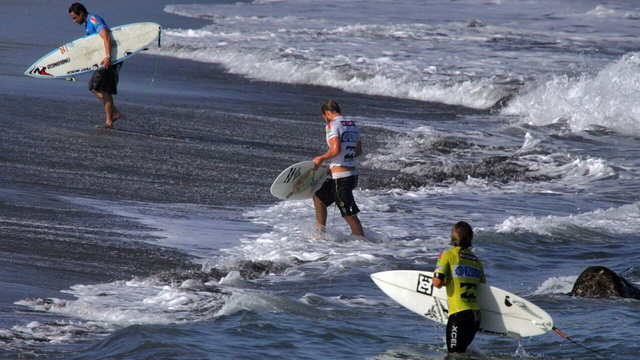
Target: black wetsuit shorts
(461, 330)
(340, 191)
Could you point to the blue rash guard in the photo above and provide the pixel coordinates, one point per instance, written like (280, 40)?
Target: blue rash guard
(94, 24)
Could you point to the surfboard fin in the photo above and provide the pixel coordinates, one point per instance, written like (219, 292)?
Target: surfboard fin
(70, 78)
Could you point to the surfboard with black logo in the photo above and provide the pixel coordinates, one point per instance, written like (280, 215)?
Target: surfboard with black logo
(502, 313)
(85, 54)
(299, 181)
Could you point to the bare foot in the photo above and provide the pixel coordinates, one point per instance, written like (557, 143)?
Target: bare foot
(117, 117)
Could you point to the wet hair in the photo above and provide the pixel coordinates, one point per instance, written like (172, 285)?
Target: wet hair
(77, 8)
(330, 106)
(461, 235)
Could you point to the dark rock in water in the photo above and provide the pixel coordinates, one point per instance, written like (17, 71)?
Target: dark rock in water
(494, 168)
(601, 282)
(248, 270)
(260, 268)
(447, 145)
(424, 166)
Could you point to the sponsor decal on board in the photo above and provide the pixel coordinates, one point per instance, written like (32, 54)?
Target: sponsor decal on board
(58, 63)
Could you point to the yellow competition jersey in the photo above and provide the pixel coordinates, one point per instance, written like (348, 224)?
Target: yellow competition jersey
(463, 271)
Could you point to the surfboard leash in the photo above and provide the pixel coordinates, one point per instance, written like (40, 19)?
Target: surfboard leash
(568, 338)
(155, 68)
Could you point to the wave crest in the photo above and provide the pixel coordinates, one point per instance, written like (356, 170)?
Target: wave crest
(606, 99)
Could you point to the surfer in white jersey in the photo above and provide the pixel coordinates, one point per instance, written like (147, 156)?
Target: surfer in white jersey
(104, 82)
(343, 138)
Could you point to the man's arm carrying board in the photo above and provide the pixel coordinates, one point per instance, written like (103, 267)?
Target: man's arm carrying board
(299, 181)
(503, 313)
(84, 54)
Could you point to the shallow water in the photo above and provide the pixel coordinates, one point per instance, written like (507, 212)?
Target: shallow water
(161, 240)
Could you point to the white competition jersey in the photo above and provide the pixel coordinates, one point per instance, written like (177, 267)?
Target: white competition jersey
(349, 135)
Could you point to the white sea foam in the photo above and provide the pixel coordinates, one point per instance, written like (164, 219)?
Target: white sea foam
(103, 308)
(290, 66)
(421, 51)
(137, 301)
(611, 11)
(333, 302)
(621, 220)
(265, 302)
(606, 99)
(556, 285)
(56, 332)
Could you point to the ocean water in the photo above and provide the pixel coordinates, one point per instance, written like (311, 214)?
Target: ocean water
(161, 241)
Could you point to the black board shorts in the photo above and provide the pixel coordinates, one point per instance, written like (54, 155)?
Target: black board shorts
(106, 80)
(340, 191)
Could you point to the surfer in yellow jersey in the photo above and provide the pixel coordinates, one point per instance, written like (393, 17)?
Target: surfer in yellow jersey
(104, 82)
(460, 271)
(343, 139)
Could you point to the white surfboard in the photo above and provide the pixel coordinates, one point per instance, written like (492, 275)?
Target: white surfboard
(85, 54)
(502, 313)
(299, 181)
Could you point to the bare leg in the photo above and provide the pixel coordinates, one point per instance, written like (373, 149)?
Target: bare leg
(321, 213)
(355, 225)
(109, 108)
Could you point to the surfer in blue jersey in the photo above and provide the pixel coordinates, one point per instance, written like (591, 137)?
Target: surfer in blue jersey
(104, 81)
(460, 271)
(343, 138)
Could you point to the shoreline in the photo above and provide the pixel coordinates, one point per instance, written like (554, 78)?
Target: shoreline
(196, 136)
